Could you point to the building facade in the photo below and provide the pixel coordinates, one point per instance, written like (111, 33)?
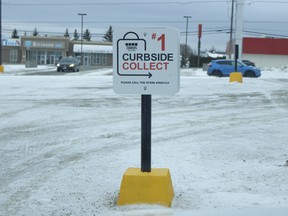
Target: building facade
(43, 50)
(92, 53)
(266, 52)
(11, 51)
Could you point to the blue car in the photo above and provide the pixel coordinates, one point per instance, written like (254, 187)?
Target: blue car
(224, 67)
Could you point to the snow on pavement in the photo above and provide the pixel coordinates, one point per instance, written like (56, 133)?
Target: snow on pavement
(67, 140)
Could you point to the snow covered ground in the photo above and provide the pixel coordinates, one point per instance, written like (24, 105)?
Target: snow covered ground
(66, 141)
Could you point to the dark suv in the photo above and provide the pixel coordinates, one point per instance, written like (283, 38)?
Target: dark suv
(68, 64)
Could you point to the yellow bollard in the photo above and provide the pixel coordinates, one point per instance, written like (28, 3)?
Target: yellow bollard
(1, 68)
(153, 187)
(236, 77)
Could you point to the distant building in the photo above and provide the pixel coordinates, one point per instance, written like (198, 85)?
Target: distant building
(44, 50)
(270, 52)
(11, 51)
(265, 52)
(214, 55)
(94, 53)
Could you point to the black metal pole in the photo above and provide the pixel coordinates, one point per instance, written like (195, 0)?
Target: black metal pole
(199, 48)
(145, 133)
(186, 17)
(236, 56)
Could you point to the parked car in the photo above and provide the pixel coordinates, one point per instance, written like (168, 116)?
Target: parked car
(225, 67)
(68, 64)
(249, 63)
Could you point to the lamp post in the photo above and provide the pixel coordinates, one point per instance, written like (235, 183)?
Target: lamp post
(186, 17)
(82, 14)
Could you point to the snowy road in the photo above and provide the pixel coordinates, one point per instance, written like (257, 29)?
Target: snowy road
(66, 141)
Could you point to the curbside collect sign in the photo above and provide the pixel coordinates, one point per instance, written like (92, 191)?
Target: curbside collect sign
(146, 61)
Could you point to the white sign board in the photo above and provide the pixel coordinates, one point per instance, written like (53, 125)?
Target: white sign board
(146, 61)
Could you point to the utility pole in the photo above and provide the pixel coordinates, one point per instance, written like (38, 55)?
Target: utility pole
(231, 30)
(82, 14)
(186, 17)
(199, 43)
(239, 26)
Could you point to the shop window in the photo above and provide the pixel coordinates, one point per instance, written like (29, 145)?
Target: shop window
(99, 59)
(104, 59)
(41, 57)
(13, 55)
(96, 59)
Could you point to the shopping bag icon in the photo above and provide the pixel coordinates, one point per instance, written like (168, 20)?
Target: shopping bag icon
(127, 49)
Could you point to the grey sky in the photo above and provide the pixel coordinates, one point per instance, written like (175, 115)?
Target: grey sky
(53, 17)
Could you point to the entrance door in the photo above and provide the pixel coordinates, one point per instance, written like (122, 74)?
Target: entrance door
(52, 59)
(42, 58)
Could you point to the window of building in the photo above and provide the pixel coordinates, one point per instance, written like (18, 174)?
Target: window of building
(99, 59)
(104, 59)
(13, 55)
(96, 59)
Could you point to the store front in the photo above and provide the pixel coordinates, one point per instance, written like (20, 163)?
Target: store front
(44, 50)
(94, 54)
(11, 51)
(44, 57)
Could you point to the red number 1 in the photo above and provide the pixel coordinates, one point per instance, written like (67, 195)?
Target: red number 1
(162, 38)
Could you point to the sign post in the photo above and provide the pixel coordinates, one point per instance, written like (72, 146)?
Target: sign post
(146, 62)
(236, 76)
(145, 133)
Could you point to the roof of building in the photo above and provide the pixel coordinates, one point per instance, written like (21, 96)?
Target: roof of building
(214, 55)
(268, 46)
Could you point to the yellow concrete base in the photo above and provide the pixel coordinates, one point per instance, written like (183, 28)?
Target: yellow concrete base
(236, 77)
(139, 187)
(1, 68)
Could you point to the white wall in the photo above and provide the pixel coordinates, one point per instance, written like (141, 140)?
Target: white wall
(267, 60)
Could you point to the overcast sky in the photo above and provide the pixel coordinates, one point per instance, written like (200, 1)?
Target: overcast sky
(266, 17)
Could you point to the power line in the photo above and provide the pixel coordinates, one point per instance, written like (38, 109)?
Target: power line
(265, 33)
(154, 21)
(205, 32)
(270, 2)
(266, 21)
(47, 32)
(136, 3)
(112, 3)
(101, 22)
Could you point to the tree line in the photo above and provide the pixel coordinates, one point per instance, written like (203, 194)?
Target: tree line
(108, 36)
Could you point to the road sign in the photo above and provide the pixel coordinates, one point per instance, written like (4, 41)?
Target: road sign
(146, 61)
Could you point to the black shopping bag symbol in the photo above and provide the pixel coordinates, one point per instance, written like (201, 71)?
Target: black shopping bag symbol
(129, 44)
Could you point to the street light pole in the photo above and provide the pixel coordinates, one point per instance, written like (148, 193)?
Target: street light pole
(186, 17)
(82, 14)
